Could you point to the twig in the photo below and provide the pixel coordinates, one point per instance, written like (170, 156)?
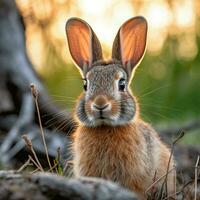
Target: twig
(18, 146)
(181, 191)
(58, 155)
(57, 160)
(182, 133)
(196, 176)
(158, 180)
(154, 179)
(54, 167)
(168, 165)
(36, 170)
(34, 162)
(175, 183)
(35, 95)
(67, 164)
(30, 146)
(24, 165)
(168, 170)
(175, 192)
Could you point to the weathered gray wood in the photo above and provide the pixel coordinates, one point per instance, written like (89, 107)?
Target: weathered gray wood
(45, 186)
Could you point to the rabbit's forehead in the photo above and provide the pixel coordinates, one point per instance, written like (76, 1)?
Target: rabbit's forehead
(108, 73)
(104, 78)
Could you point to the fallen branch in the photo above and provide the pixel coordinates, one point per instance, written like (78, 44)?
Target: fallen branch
(45, 186)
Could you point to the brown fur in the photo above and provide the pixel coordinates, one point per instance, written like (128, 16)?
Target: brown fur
(106, 62)
(122, 154)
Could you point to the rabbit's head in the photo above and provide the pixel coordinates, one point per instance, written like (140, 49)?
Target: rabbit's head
(107, 99)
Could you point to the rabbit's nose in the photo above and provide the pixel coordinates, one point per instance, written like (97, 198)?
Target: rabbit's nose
(100, 103)
(100, 107)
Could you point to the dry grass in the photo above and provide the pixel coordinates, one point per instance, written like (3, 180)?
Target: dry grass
(185, 191)
(35, 96)
(34, 161)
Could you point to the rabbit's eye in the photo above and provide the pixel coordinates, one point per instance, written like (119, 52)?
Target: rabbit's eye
(85, 84)
(122, 84)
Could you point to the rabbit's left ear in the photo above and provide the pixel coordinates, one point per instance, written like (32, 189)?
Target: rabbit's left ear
(130, 43)
(84, 45)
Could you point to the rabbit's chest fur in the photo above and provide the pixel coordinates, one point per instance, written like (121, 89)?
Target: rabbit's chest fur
(120, 154)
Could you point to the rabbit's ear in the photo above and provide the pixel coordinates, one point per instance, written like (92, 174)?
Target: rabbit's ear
(130, 43)
(84, 45)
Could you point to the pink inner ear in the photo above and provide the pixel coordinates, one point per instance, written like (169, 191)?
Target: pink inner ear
(84, 46)
(133, 41)
(79, 39)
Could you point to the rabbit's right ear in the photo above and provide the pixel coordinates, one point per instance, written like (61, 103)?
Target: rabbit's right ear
(130, 43)
(84, 45)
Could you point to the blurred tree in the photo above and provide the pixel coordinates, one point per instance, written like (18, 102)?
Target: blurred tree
(17, 110)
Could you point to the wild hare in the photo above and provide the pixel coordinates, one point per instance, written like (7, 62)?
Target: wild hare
(111, 140)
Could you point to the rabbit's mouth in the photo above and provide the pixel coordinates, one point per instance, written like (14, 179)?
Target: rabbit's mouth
(101, 117)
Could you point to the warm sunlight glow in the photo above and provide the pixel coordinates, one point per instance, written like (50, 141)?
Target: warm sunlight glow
(158, 15)
(185, 14)
(187, 47)
(91, 7)
(106, 17)
(35, 50)
(159, 18)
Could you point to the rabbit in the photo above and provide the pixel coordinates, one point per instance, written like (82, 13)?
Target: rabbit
(111, 140)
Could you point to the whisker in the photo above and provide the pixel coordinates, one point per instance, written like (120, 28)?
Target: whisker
(63, 101)
(64, 124)
(65, 97)
(153, 91)
(55, 114)
(160, 115)
(69, 131)
(51, 122)
(157, 106)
